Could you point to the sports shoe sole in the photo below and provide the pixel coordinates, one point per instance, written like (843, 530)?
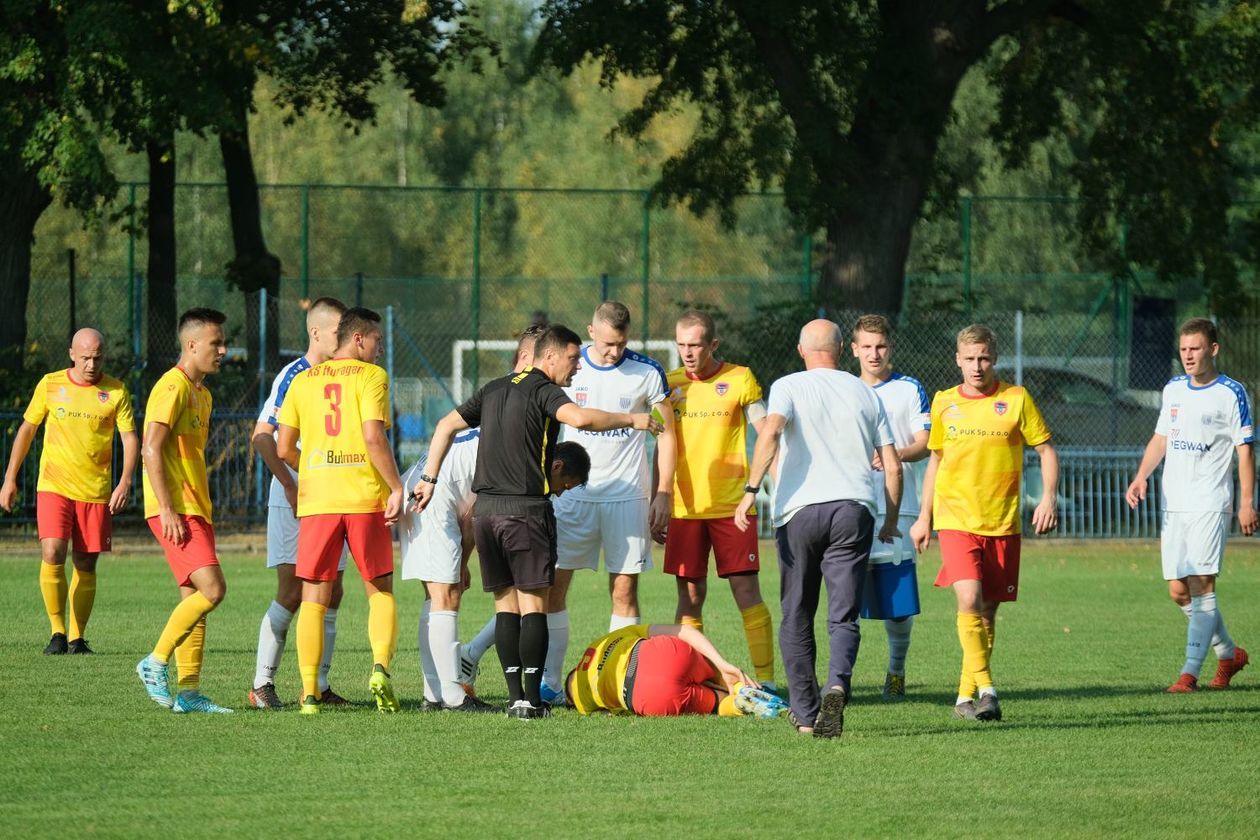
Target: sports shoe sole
(830, 720)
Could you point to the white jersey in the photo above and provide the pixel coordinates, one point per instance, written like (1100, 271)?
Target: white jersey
(909, 412)
(454, 485)
(619, 463)
(1203, 424)
(271, 410)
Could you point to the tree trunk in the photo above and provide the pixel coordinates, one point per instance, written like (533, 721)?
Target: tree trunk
(22, 200)
(162, 344)
(254, 267)
(867, 246)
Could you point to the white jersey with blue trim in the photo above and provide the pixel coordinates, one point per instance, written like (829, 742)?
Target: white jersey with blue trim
(619, 463)
(455, 482)
(1203, 425)
(271, 410)
(909, 411)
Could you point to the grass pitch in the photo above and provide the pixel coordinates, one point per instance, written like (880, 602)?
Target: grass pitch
(1090, 744)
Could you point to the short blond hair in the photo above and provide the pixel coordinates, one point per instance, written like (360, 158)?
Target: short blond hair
(877, 324)
(978, 334)
(696, 318)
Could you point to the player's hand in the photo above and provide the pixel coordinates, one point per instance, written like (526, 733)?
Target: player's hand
(646, 423)
(8, 495)
(173, 529)
(659, 535)
(421, 494)
(1247, 520)
(290, 496)
(658, 512)
(465, 577)
(393, 506)
(1045, 517)
(889, 531)
(741, 513)
(731, 676)
(921, 535)
(118, 499)
(1136, 492)
(877, 463)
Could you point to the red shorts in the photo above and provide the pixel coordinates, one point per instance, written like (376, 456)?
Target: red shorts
(197, 550)
(322, 535)
(87, 525)
(689, 540)
(994, 561)
(669, 679)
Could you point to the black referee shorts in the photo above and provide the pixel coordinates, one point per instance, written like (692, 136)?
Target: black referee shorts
(516, 550)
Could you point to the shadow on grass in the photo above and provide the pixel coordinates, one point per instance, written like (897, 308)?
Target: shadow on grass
(1117, 720)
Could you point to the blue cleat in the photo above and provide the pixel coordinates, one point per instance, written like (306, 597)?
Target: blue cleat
(551, 696)
(759, 703)
(153, 675)
(187, 702)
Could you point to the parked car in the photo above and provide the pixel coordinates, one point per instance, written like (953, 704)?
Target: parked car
(1084, 411)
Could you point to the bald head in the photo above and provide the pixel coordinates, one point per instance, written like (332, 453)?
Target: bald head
(819, 344)
(87, 354)
(87, 338)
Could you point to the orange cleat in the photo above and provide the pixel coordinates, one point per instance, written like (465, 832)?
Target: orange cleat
(1226, 668)
(1185, 684)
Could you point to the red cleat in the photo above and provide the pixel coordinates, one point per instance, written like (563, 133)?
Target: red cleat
(1226, 668)
(1184, 684)
(332, 698)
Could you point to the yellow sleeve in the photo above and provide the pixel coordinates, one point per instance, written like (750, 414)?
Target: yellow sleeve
(38, 409)
(288, 414)
(752, 388)
(374, 399)
(166, 403)
(936, 436)
(124, 418)
(1031, 424)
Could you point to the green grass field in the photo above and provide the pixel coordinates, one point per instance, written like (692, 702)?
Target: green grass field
(1091, 745)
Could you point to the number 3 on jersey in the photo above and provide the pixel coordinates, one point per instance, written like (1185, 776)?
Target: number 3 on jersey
(332, 420)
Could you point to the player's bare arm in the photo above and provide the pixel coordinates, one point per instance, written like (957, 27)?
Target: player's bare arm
(1156, 447)
(265, 445)
(21, 446)
(769, 431)
(594, 420)
(663, 467)
(1046, 515)
(155, 437)
(921, 530)
(131, 453)
(443, 433)
(917, 450)
(892, 492)
(383, 459)
(1246, 489)
(287, 448)
(730, 674)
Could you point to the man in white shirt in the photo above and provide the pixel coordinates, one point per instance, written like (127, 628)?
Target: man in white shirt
(1204, 418)
(825, 427)
(892, 590)
(619, 508)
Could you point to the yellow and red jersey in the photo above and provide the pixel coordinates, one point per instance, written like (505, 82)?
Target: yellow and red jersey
(981, 441)
(79, 436)
(185, 408)
(600, 679)
(712, 442)
(328, 405)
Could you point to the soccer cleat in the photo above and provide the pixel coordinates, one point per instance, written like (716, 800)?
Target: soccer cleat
(310, 705)
(468, 671)
(56, 645)
(988, 708)
(427, 705)
(265, 697)
(759, 703)
(525, 710)
(382, 688)
(470, 704)
(894, 687)
(154, 677)
(328, 697)
(965, 711)
(187, 702)
(1226, 668)
(780, 691)
(830, 720)
(550, 695)
(1185, 684)
(79, 646)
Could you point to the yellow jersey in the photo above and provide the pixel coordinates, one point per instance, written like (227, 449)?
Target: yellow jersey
(79, 437)
(981, 441)
(185, 408)
(328, 405)
(600, 679)
(712, 442)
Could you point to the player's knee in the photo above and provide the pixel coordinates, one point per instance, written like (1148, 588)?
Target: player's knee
(85, 562)
(215, 592)
(53, 552)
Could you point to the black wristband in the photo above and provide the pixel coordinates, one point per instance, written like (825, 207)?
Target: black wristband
(748, 488)
(427, 479)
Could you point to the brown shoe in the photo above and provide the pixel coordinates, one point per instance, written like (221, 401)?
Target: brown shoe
(1225, 669)
(332, 698)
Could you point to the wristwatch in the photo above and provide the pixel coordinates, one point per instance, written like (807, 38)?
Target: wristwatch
(427, 479)
(748, 488)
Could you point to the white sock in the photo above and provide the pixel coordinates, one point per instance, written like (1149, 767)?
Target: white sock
(988, 689)
(616, 622)
(898, 644)
(482, 642)
(961, 699)
(557, 646)
(271, 636)
(444, 650)
(330, 641)
(428, 666)
(1203, 617)
(1221, 642)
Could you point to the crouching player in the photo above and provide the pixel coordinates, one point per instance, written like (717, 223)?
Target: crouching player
(664, 670)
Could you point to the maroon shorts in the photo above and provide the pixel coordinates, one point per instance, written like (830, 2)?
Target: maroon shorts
(88, 526)
(689, 540)
(321, 537)
(195, 552)
(669, 679)
(994, 561)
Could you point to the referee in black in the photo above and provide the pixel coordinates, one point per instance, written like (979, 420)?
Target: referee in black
(513, 524)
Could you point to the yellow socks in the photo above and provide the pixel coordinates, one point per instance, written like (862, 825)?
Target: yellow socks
(726, 708)
(690, 621)
(310, 645)
(189, 655)
(52, 585)
(382, 627)
(182, 621)
(975, 647)
(991, 630)
(82, 596)
(760, 632)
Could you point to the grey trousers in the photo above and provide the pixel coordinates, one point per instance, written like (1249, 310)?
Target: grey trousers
(828, 541)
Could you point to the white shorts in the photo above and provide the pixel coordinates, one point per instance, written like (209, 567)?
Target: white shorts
(619, 528)
(897, 551)
(431, 542)
(1192, 543)
(282, 538)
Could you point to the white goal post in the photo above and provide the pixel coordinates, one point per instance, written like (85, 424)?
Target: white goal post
(462, 345)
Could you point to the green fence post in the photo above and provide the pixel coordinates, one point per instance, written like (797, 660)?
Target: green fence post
(476, 291)
(807, 266)
(131, 259)
(966, 250)
(645, 244)
(306, 241)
